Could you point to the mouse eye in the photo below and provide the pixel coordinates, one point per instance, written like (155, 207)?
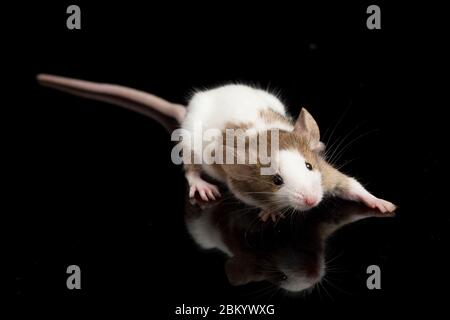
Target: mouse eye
(308, 166)
(283, 277)
(278, 180)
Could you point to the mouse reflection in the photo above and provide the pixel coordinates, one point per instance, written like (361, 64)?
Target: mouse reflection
(288, 253)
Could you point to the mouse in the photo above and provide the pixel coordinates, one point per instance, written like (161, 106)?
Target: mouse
(300, 177)
(290, 255)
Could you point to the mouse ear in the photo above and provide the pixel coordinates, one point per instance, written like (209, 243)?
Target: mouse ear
(307, 127)
(239, 271)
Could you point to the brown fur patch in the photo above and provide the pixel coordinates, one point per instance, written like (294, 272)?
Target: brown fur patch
(235, 126)
(245, 176)
(333, 181)
(270, 116)
(293, 141)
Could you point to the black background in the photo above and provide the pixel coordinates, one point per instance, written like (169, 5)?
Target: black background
(93, 185)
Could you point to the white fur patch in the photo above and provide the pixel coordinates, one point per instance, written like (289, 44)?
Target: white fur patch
(230, 103)
(297, 178)
(297, 282)
(239, 104)
(205, 235)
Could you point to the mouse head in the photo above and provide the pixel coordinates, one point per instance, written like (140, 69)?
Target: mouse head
(296, 179)
(291, 268)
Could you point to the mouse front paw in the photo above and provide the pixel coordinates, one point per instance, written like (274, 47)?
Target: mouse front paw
(205, 190)
(380, 204)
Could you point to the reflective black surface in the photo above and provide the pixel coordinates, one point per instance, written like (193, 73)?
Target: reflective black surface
(92, 184)
(289, 253)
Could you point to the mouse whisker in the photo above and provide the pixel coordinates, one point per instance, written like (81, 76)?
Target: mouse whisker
(336, 144)
(322, 284)
(327, 280)
(343, 149)
(337, 122)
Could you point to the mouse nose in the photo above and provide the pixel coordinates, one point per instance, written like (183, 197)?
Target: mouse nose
(310, 201)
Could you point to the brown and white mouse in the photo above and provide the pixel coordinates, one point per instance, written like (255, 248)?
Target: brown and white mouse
(301, 175)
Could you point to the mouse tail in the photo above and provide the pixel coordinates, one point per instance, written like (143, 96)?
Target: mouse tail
(135, 100)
